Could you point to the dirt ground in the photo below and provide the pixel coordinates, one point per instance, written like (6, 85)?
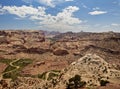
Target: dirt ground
(2, 67)
(110, 86)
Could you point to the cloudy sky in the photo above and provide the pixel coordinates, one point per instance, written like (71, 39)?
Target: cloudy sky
(61, 15)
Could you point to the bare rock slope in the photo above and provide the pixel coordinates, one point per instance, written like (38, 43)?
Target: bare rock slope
(92, 69)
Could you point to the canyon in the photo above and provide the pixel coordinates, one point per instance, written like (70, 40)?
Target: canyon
(48, 60)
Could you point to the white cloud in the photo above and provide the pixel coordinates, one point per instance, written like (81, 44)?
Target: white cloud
(96, 8)
(115, 2)
(51, 3)
(1, 10)
(0, 6)
(115, 24)
(97, 25)
(83, 5)
(69, 0)
(23, 11)
(63, 20)
(97, 12)
(64, 17)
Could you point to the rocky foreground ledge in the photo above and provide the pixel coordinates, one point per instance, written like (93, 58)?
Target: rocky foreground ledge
(89, 71)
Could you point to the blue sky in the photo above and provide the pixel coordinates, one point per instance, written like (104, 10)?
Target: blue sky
(61, 15)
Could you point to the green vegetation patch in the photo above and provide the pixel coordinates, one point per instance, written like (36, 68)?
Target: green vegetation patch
(13, 75)
(6, 61)
(51, 75)
(42, 76)
(12, 71)
(22, 62)
(56, 71)
(9, 68)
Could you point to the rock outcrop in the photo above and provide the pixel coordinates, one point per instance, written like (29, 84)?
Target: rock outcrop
(101, 60)
(22, 36)
(60, 52)
(92, 70)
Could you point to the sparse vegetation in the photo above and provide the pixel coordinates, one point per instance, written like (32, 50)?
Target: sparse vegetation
(9, 68)
(6, 61)
(13, 75)
(56, 71)
(42, 76)
(22, 62)
(51, 75)
(13, 72)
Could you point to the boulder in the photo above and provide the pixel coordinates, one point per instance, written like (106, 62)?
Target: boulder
(60, 52)
(77, 54)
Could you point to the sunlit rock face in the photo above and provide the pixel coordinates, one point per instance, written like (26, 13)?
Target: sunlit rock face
(92, 69)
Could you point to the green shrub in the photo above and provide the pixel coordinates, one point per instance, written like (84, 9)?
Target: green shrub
(103, 82)
(75, 82)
